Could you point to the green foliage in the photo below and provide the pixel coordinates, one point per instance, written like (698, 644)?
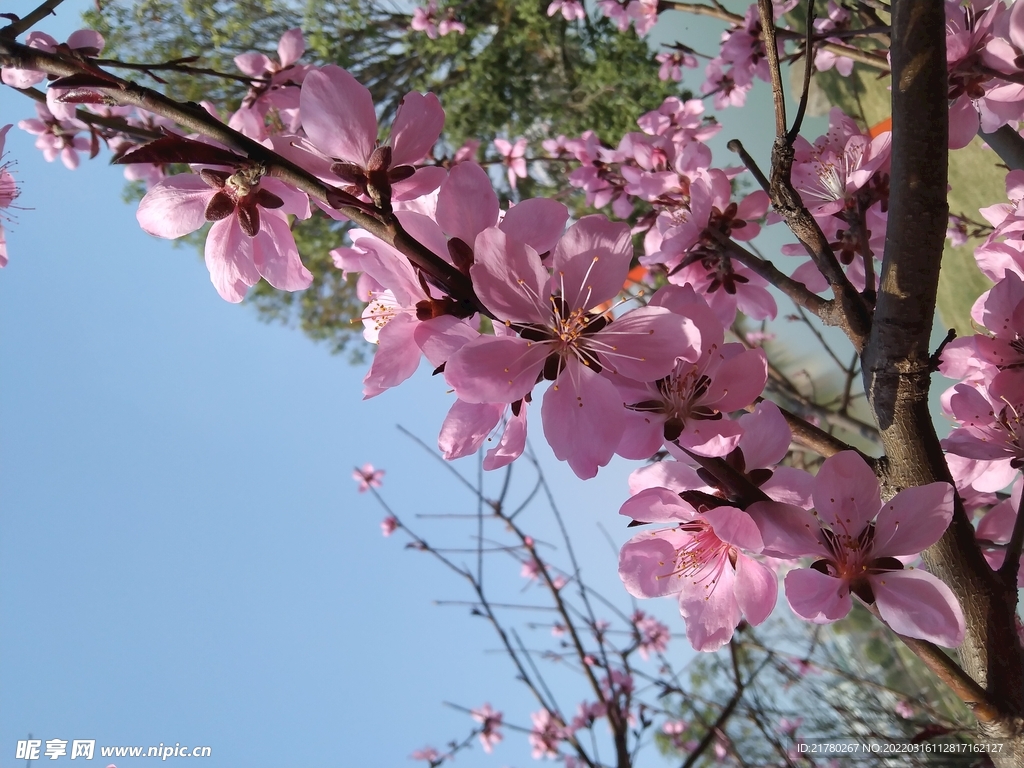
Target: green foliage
(516, 72)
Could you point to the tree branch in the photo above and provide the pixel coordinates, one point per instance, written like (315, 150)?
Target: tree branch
(27, 22)
(193, 117)
(896, 361)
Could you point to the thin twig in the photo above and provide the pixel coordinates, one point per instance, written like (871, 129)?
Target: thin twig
(26, 23)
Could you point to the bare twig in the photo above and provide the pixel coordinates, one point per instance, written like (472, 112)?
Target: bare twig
(26, 23)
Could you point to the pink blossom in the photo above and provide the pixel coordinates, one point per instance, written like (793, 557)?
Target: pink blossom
(512, 156)
(830, 173)
(339, 118)
(688, 407)
(367, 477)
(562, 339)
(275, 90)
(859, 544)
(427, 754)
(904, 709)
(654, 635)
(692, 242)
(8, 193)
(545, 735)
(824, 60)
(572, 10)
(85, 42)
(672, 64)
(992, 419)
(490, 722)
(530, 570)
(703, 560)
(56, 137)
(251, 236)
(389, 524)
(996, 527)
(424, 19)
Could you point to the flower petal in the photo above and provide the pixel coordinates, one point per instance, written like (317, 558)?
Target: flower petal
(917, 604)
(338, 115)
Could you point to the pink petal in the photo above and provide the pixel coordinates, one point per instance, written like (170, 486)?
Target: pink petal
(913, 520)
(917, 604)
(252, 64)
(421, 183)
(963, 123)
(647, 563)
(738, 381)
(291, 47)
(816, 597)
(711, 616)
(539, 222)
(673, 475)
(466, 203)
(757, 589)
(650, 340)
(591, 261)
(397, 356)
(736, 527)
(493, 369)
(583, 420)
(442, 337)
(509, 278)
(229, 259)
(787, 531)
(710, 437)
(275, 255)
(417, 125)
(338, 115)
(512, 443)
(86, 38)
(467, 426)
(642, 435)
(846, 492)
(657, 505)
(766, 435)
(175, 206)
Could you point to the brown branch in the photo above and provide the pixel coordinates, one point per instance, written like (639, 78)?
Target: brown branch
(873, 60)
(896, 361)
(806, 88)
(815, 438)
(193, 117)
(118, 124)
(947, 670)
(797, 291)
(179, 66)
(27, 22)
(853, 316)
(1008, 570)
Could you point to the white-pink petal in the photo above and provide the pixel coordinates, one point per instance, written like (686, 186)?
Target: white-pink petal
(338, 115)
(917, 604)
(175, 207)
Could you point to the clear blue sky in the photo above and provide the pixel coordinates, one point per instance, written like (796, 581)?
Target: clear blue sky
(183, 555)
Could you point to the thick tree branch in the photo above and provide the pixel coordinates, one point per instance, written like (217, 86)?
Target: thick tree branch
(896, 359)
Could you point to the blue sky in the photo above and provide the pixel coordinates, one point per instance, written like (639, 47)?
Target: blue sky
(183, 556)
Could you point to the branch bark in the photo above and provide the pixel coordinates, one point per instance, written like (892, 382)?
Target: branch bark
(896, 359)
